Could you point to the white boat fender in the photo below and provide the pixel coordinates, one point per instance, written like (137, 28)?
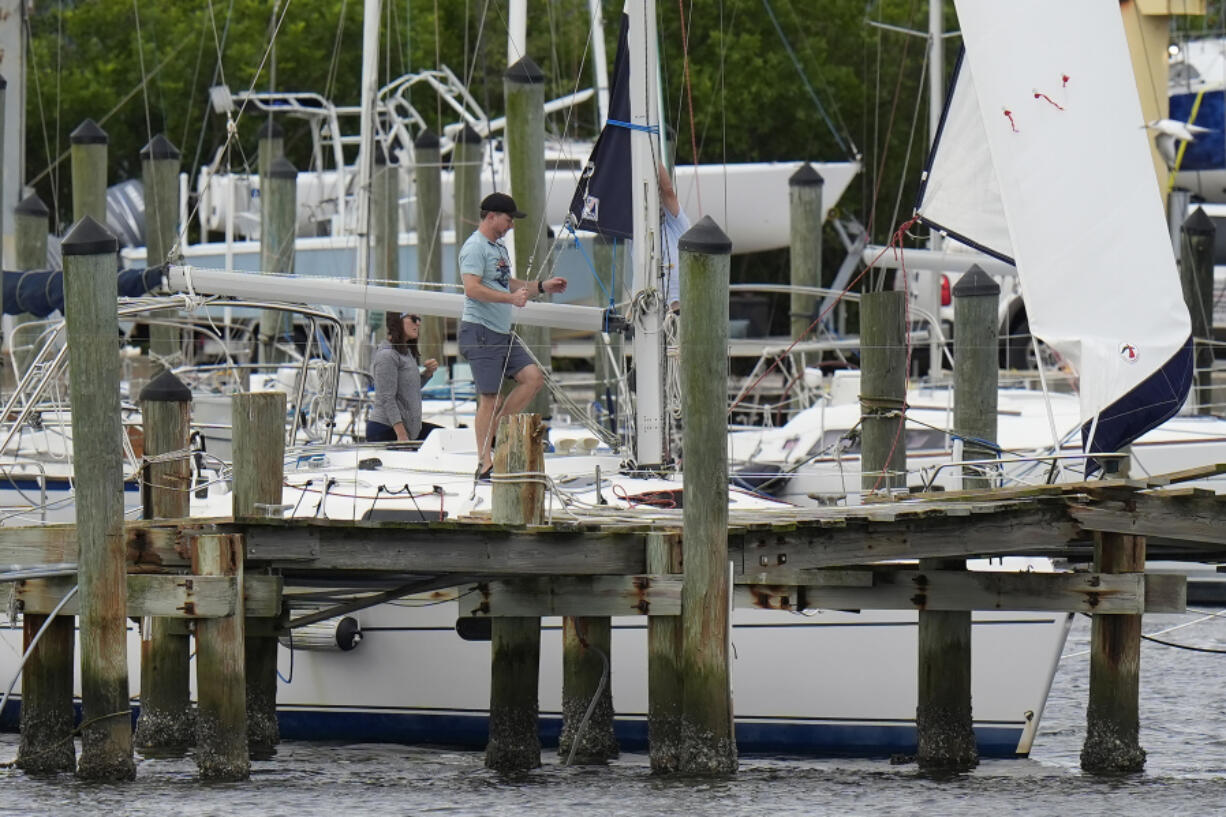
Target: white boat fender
(341, 634)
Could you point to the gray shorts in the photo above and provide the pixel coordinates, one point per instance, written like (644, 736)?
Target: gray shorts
(492, 355)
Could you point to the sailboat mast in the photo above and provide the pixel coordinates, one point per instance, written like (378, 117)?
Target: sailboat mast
(370, 77)
(517, 31)
(645, 201)
(599, 64)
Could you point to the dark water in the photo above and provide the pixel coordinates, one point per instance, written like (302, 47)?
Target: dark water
(1183, 729)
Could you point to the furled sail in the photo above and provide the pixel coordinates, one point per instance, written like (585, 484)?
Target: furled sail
(602, 200)
(1043, 158)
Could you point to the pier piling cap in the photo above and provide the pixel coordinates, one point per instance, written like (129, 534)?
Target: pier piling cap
(282, 168)
(270, 130)
(525, 72)
(806, 176)
(32, 205)
(88, 133)
(1199, 223)
(427, 140)
(165, 388)
(976, 282)
(705, 237)
(468, 136)
(88, 237)
(159, 147)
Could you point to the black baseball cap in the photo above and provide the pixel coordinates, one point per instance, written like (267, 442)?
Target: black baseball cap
(501, 203)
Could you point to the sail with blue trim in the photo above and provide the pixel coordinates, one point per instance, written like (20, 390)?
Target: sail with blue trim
(1043, 159)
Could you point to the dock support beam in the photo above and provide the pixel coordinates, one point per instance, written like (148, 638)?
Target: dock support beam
(587, 667)
(160, 173)
(221, 723)
(944, 720)
(708, 745)
(1196, 276)
(805, 200)
(93, 336)
(515, 642)
(167, 722)
(883, 389)
(665, 684)
(524, 87)
(259, 453)
(1113, 721)
(278, 231)
(428, 180)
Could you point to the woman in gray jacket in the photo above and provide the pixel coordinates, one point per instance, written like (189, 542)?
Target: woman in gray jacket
(396, 413)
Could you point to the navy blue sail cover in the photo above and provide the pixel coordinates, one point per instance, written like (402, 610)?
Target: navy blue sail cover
(1155, 400)
(602, 200)
(41, 292)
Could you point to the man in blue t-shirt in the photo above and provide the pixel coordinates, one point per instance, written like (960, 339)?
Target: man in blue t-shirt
(485, 337)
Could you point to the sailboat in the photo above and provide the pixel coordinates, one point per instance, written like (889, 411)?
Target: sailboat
(817, 682)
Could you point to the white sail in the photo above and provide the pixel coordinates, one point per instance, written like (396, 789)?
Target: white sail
(1060, 141)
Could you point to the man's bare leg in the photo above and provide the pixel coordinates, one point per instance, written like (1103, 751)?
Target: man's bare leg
(483, 426)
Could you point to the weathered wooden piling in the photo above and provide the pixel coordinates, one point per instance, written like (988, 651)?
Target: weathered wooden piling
(167, 722)
(428, 179)
(30, 225)
(160, 172)
(259, 451)
(93, 336)
(665, 683)
(609, 259)
(587, 666)
(943, 717)
(466, 161)
(1196, 275)
(47, 714)
(805, 237)
(524, 87)
(221, 720)
(1113, 721)
(278, 229)
(270, 144)
(88, 159)
(883, 389)
(385, 217)
(515, 642)
(708, 744)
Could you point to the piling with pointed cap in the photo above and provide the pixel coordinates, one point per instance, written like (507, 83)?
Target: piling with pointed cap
(943, 717)
(385, 217)
(30, 221)
(270, 142)
(279, 212)
(805, 199)
(259, 473)
(88, 159)
(167, 722)
(524, 87)
(515, 641)
(466, 161)
(160, 171)
(1196, 275)
(93, 338)
(883, 389)
(427, 175)
(708, 744)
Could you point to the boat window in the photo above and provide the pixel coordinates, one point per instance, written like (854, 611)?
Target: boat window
(917, 439)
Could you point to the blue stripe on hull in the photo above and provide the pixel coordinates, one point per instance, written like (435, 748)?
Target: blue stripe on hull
(471, 731)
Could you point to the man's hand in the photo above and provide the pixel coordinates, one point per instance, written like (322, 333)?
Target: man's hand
(519, 297)
(554, 285)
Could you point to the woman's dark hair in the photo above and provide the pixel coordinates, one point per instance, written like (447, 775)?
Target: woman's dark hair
(395, 333)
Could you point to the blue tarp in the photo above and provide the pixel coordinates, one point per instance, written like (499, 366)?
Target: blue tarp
(41, 292)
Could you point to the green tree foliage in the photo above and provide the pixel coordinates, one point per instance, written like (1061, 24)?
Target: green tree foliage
(139, 67)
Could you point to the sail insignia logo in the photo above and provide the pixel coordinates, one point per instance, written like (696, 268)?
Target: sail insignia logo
(1129, 353)
(591, 209)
